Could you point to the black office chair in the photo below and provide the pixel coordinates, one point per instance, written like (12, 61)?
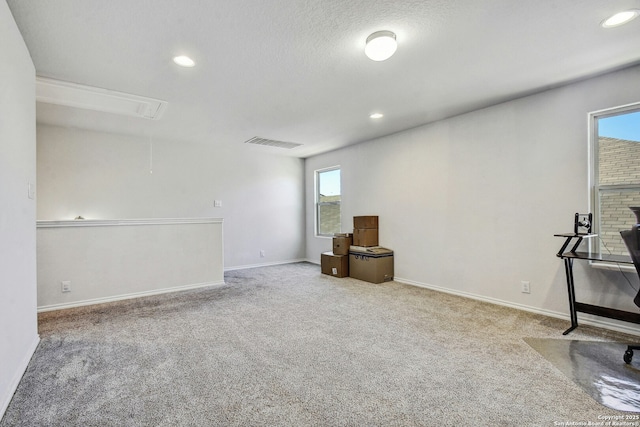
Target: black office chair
(631, 238)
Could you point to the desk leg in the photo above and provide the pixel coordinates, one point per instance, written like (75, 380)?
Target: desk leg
(568, 269)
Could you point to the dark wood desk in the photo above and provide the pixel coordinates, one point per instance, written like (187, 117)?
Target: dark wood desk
(574, 306)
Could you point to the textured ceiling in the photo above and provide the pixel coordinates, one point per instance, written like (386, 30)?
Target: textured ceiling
(295, 71)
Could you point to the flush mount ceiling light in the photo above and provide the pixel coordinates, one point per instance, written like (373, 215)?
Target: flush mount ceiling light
(620, 18)
(376, 116)
(381, 45)
(184, 61)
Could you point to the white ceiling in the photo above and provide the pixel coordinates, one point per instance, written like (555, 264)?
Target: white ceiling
(295, 70)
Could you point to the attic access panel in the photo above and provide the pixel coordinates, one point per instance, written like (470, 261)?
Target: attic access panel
(256, 140)
(68, 94)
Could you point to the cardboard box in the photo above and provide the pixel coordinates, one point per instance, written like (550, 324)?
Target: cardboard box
(365, 222)
(374, 265)
(334, 265)
(365, 237)
(341, 243)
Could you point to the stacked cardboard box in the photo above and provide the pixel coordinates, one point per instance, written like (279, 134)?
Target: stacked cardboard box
(336, 263)
(341, 243)
(371, 264)
(365, 231)
(367, 260)
(358, 255)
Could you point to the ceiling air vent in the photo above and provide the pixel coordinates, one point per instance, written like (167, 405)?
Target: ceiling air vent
(92, 98)
(271, 143)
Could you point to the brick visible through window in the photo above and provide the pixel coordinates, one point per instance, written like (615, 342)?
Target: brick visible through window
(616, 175)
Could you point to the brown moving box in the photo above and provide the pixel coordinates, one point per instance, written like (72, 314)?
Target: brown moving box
(365, 237)
(365, 222)
(341, 243)
(334, 265)
(373, 265)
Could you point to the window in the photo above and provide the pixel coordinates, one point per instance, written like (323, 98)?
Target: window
(615, 142)
(328, 201)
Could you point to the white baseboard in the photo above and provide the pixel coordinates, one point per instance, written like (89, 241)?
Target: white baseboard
(583, 318)
(15, 381)
(125, 296)
(266, 264)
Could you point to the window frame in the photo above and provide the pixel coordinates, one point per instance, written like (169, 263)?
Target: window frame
(595, 188)
(317, 202)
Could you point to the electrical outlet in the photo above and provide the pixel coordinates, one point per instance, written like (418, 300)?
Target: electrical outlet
(262, 254)
(526, 288)
(217, 203)
(66, 286)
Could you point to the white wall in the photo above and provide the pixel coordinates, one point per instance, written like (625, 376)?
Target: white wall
(107, 260)
(18, 321)
(470, 204)
(107, 176)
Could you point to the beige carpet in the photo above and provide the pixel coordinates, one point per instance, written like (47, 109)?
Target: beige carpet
(288, 346)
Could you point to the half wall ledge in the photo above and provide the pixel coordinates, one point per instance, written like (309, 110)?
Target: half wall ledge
(123, 222)
(87, 261)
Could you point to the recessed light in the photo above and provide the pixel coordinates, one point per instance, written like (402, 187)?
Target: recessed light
(620, 18)
(184, 61)
(377, 116)
(381, 45)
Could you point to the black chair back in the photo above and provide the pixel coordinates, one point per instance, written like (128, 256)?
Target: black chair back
(631, 238)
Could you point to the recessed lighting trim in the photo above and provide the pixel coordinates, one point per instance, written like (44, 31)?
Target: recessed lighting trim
(184, 61)
(381, 45)
(620, 18)
(376, 116)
